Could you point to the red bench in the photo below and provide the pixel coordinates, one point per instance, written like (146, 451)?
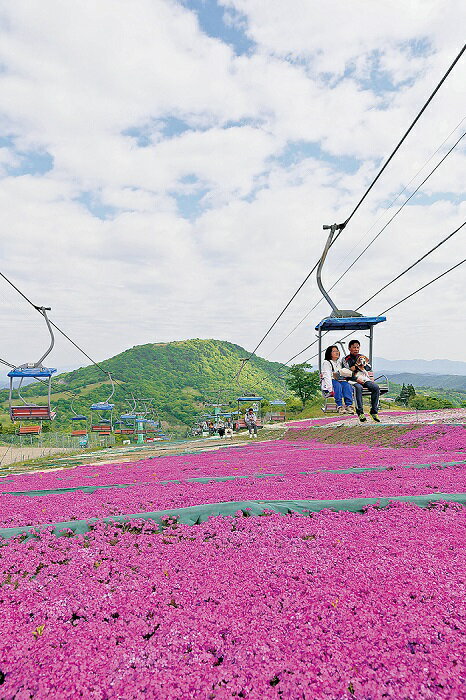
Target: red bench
(30, 430)
(31, 413)
(77, 433)
(101, 429)
(278, 416)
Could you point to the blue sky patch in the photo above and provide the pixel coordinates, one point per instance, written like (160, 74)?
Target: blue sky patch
(189, 204)
(221, 23)
(31, 163)
(296, 151)
(93, 203)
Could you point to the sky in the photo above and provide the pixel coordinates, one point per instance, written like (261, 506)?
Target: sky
(167, 166)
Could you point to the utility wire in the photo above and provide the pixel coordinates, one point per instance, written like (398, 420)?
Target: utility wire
(444, 240)
(397, 147)
(377, 235)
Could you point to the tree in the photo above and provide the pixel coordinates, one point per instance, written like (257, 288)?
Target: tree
(403, 398)
(302, 381)
(429, 402)
(411, 391)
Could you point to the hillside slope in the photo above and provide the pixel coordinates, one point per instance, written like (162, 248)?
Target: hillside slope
(179, 376)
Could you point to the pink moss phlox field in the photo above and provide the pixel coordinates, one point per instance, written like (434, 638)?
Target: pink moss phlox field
(438, 437)
(141, 498)
(336, 605)
(282, 463)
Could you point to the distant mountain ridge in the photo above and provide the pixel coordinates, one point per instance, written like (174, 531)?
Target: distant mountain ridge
(454, 382)
(443, 367)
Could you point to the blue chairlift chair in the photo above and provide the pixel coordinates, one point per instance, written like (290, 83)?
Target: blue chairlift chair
(32, 370)
(78, 431)
(103, 425)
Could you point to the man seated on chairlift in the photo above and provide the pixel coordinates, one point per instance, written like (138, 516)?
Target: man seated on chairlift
(360, 367)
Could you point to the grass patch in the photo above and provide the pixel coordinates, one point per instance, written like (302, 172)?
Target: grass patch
(377, 435)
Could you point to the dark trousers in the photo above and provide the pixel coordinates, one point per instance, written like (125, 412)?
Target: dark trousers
(375, 393)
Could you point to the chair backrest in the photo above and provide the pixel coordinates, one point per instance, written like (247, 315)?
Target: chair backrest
(30, 430)
(278, 416)
(77, 433)
(30, 412)
(102, 429)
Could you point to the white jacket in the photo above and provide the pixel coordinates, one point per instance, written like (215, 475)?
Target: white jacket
(328, 368)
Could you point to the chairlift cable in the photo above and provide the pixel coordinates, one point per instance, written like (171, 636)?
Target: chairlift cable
(403, 138)
(424, 286)
(378, 234)
(8, 364)
(38, 308)
(345, 223)
(405, 298)
(444, 240)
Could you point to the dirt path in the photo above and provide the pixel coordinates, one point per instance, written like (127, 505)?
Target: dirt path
(10, 455)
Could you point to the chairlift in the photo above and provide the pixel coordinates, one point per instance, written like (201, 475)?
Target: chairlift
(33, 370)
(103, 425)
(344, 320)
(78, 418)
(247, 402)
(278, 413)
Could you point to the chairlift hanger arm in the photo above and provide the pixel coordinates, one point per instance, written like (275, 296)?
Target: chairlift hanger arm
(338, 313)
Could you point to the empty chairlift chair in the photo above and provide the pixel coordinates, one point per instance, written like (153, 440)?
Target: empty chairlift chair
(27, 411)
(100, 424)
(128, 423)
(278, 413)
(79, 423)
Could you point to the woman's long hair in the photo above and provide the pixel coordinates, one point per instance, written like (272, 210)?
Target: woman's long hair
(328, 352)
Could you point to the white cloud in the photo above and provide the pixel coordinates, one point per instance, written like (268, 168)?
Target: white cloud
(345, 79)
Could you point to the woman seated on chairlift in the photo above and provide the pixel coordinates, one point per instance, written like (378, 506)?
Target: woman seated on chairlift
(331, 385)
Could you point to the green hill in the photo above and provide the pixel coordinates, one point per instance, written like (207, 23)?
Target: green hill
(179, 376)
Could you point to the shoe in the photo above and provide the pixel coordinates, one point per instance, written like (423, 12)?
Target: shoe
(375, 417)
(349, 409)
(362, 418)
(340, 409)
(250, 436)
(255, 435)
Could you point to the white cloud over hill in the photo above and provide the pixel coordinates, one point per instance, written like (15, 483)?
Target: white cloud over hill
(157, 182)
